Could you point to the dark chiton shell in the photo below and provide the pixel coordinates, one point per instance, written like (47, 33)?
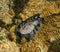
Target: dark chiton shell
(29, 27)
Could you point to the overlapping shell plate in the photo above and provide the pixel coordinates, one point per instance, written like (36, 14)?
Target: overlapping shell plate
(29, 27)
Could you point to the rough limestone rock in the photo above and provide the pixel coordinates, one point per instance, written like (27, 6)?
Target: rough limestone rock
(46, 39)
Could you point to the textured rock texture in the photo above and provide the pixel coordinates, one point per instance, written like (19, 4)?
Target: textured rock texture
(7, 46)
(46, 39)
(4, 12)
